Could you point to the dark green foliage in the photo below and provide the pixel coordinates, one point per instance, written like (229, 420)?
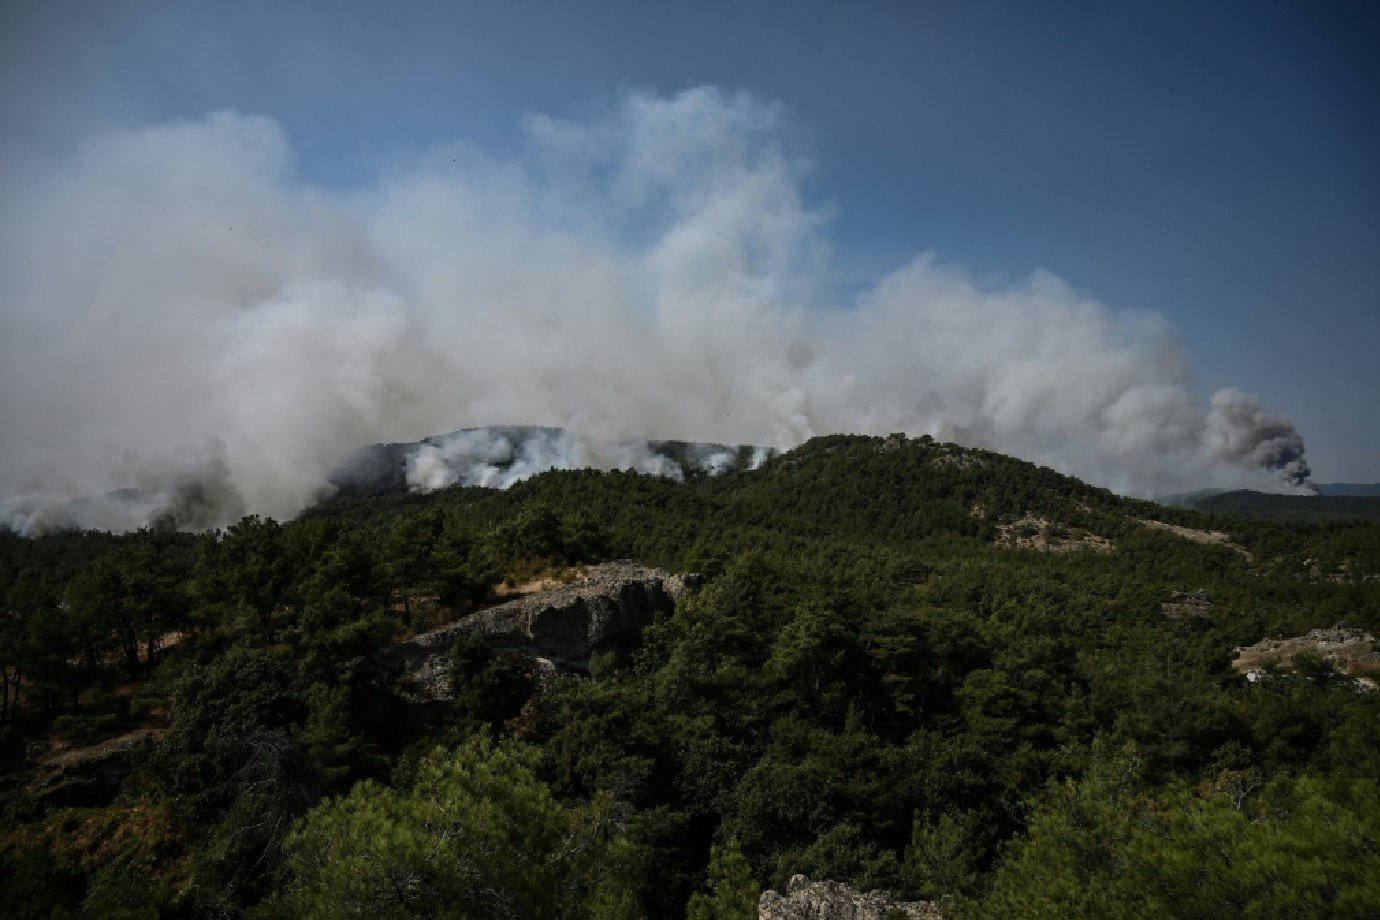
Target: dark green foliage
(869, 688)
(226, 716)
(487, 688)
(1263, 506)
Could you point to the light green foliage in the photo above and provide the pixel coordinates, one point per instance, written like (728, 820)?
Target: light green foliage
(944, 853)
(732, 893)
(473, 835)
(1110, 847)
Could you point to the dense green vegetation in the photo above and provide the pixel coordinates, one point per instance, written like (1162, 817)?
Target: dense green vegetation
(1264, 506)
(870, 687)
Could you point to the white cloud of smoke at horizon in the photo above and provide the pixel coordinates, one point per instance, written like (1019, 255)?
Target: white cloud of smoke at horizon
(180, 307)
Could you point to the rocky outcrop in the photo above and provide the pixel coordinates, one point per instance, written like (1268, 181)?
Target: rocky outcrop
(603, 612)
(807, 900)
(1183, 604)
(1352, 651)
(91, 776)
(1038, 533)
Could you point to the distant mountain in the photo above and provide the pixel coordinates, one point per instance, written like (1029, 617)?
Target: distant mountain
(1334, 501)
(1188, 499)
(1271, 507)
(1348, 488)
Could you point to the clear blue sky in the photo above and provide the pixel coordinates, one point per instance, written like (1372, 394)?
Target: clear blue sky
(1216, 162)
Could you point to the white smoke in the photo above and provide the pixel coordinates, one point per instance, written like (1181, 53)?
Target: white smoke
(491, 459)
(192, 491)
(654, 272)
(718, 462)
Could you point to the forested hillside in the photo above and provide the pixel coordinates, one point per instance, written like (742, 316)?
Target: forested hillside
(942, 672)
(1266, 507)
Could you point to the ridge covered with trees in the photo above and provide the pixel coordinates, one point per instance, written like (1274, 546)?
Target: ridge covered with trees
(874, 685)
(1266, 507)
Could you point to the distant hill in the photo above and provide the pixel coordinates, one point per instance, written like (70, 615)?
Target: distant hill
(1348, 488)
(1188, 499)
(1334, 501)
(1263, 506)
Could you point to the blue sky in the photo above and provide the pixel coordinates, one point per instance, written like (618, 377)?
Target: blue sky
(1216, 163)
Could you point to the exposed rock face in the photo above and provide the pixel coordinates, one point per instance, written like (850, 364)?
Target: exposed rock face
(807, 900)
(605, 611)
(91, 776)
(1187, 604)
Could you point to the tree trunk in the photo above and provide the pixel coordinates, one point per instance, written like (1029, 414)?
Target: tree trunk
(266, 623)
(5, 696)
(130, 641)
(93, 663)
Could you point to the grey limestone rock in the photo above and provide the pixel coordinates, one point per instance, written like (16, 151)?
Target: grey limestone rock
(807, 900)
(605, 611)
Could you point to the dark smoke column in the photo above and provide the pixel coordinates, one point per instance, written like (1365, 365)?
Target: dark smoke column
(1240, 430)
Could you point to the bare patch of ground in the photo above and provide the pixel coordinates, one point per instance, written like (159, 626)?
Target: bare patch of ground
(1351, 651)
(547, 581)
(1040, 534)
(1207, 537)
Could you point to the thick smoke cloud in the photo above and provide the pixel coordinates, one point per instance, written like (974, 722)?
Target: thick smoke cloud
(1242, 431)
(492, 459)
(178, 306)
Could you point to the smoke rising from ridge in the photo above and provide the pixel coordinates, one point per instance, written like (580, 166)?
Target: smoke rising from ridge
(492, 459)
(179, 306)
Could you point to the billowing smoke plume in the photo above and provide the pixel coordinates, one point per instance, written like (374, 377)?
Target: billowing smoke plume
(190, 493)
(495, 460)
(177, 291)
(1240, 430)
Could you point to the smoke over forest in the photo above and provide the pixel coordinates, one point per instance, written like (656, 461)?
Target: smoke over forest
(186, 320)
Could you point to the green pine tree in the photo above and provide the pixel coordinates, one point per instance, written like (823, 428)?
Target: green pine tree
(731, 893)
